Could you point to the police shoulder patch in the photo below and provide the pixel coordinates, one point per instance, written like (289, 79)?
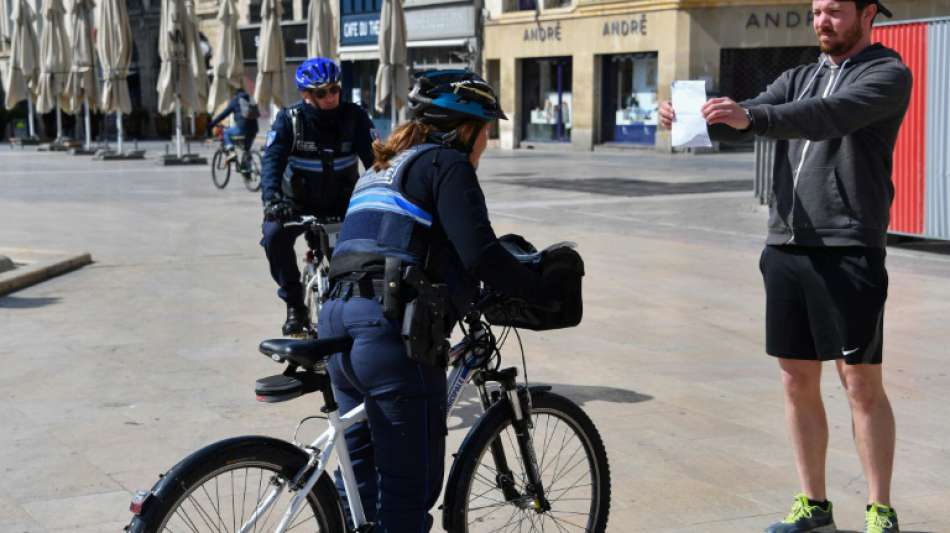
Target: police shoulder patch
(271, 137)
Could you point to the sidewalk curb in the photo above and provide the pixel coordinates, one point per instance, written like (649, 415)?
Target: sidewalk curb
(34, 273)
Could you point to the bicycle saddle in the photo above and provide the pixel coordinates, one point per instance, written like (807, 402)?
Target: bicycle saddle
(310, 354)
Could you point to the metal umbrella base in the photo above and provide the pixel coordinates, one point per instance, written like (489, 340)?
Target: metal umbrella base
(114, 155)
(63, 144)
(24, 141)
(186, 159)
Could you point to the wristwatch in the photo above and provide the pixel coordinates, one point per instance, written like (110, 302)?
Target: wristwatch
(748, 115)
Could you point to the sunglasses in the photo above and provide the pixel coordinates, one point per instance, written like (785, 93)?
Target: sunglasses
(322, 93)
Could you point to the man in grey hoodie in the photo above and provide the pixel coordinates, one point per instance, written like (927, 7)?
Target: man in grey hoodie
(836, 122)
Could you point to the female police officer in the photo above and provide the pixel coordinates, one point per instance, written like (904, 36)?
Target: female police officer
(420, 204)
(310, 167)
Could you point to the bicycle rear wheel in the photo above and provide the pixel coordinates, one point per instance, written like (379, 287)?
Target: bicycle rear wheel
(252, 175)
(571, 459)
(218, 489)
(220, 169)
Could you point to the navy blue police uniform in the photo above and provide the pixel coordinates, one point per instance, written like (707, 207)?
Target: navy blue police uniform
(311, 161)
(244, 119)
(426, 209)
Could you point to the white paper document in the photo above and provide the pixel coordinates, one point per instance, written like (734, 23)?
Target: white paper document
(689, 128)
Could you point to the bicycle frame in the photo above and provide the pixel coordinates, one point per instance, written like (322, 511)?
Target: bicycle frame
(467, 365)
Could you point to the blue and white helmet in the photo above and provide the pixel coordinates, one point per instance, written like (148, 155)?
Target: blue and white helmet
(315, 72)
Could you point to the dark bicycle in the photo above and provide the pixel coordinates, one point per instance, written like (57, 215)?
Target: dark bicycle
(246, 162)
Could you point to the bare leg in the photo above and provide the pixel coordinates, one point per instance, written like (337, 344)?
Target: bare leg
(807, 423)
(874, 427)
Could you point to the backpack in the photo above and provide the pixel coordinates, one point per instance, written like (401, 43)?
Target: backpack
(249, 110)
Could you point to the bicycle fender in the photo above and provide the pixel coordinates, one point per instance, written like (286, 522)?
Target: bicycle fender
(177, 476)
(500, 409)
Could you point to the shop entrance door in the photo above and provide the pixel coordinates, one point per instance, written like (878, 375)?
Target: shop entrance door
(629, 113)
(546, 99)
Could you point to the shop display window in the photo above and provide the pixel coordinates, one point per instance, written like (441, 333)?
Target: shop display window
(630, 106)
(547, 100)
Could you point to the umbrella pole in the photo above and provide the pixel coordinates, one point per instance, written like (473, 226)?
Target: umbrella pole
(88, 126)
(59, 123)
(178, 126)
(118, 127)
(392, 101)
(193, 132)
(29, 114)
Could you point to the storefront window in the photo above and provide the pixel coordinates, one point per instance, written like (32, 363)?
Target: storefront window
(630, 106)
(554, 4)
(546, 99)
(519, 5)
(359, 87)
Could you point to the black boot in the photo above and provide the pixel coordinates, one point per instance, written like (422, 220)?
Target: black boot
(298, 323)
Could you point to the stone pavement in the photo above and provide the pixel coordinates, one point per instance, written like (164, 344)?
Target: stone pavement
(110, 374)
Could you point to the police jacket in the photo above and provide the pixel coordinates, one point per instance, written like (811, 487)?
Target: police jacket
(237, 107)
(311, 157)
(428, 209)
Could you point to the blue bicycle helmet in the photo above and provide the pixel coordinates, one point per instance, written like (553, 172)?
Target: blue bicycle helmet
(315, 72)
(446, 98)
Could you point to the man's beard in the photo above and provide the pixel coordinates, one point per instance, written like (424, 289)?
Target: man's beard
(847, 40)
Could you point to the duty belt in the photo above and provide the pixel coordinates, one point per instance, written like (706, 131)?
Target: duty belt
(358, 286)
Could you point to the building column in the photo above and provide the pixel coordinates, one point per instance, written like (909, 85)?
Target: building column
(509, 131)
(673, 63)
(585, 96)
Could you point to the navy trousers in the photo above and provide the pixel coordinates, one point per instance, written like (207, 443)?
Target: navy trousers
(399, 455)
(278, 243)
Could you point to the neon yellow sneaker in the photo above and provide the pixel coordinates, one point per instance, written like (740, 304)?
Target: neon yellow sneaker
(880, 519)
(805, 518)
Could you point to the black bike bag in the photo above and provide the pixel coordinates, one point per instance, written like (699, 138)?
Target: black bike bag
(562, 270)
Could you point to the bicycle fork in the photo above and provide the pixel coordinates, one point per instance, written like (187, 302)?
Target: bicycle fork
(534, 497)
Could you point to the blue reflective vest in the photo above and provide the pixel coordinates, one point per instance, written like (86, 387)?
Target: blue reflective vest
(381, 221)
(316, 172)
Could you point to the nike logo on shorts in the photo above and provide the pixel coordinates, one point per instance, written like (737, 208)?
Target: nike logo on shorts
(846, 353)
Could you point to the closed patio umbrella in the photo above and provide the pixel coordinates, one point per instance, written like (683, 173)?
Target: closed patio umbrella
(321, 31)
(114, 44)
(228, 60)
(271, 78)
(54, 62)
(22, 67)
(196, 59)
(81, 84)
(392, 78)
(176, 86)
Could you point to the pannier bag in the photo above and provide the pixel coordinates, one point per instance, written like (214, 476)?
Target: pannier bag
(561, 269)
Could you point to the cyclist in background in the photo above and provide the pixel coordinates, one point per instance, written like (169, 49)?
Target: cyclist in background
(245, 113)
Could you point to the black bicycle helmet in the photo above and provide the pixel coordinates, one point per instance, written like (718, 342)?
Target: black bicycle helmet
(447, 98)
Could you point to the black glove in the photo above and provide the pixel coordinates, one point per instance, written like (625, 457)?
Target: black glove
(279, 210)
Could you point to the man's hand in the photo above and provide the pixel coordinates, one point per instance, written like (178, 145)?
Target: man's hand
(279, 211)
(667, 115)
(726, 111)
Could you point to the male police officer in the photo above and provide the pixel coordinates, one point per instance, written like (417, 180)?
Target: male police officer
(310, 167)
(245, 113)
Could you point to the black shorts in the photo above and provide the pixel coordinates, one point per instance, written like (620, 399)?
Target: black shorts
(824, 303)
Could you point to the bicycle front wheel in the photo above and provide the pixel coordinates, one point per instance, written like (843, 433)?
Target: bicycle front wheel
(571, 460)
(219, 488)
(252, 176)
(220, 169)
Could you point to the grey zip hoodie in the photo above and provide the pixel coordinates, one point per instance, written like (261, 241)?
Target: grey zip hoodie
(836, 127)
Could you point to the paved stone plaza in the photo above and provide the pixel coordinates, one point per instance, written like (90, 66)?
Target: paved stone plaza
(111, 373)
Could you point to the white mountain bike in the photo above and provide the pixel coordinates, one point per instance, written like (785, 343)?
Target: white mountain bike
(321, 235)
(533, 462)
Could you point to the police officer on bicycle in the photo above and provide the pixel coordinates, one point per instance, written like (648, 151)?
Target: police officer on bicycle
(420, 206)
(310, 165)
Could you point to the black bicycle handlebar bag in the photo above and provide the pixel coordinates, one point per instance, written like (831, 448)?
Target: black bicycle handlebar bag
(562, 270)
